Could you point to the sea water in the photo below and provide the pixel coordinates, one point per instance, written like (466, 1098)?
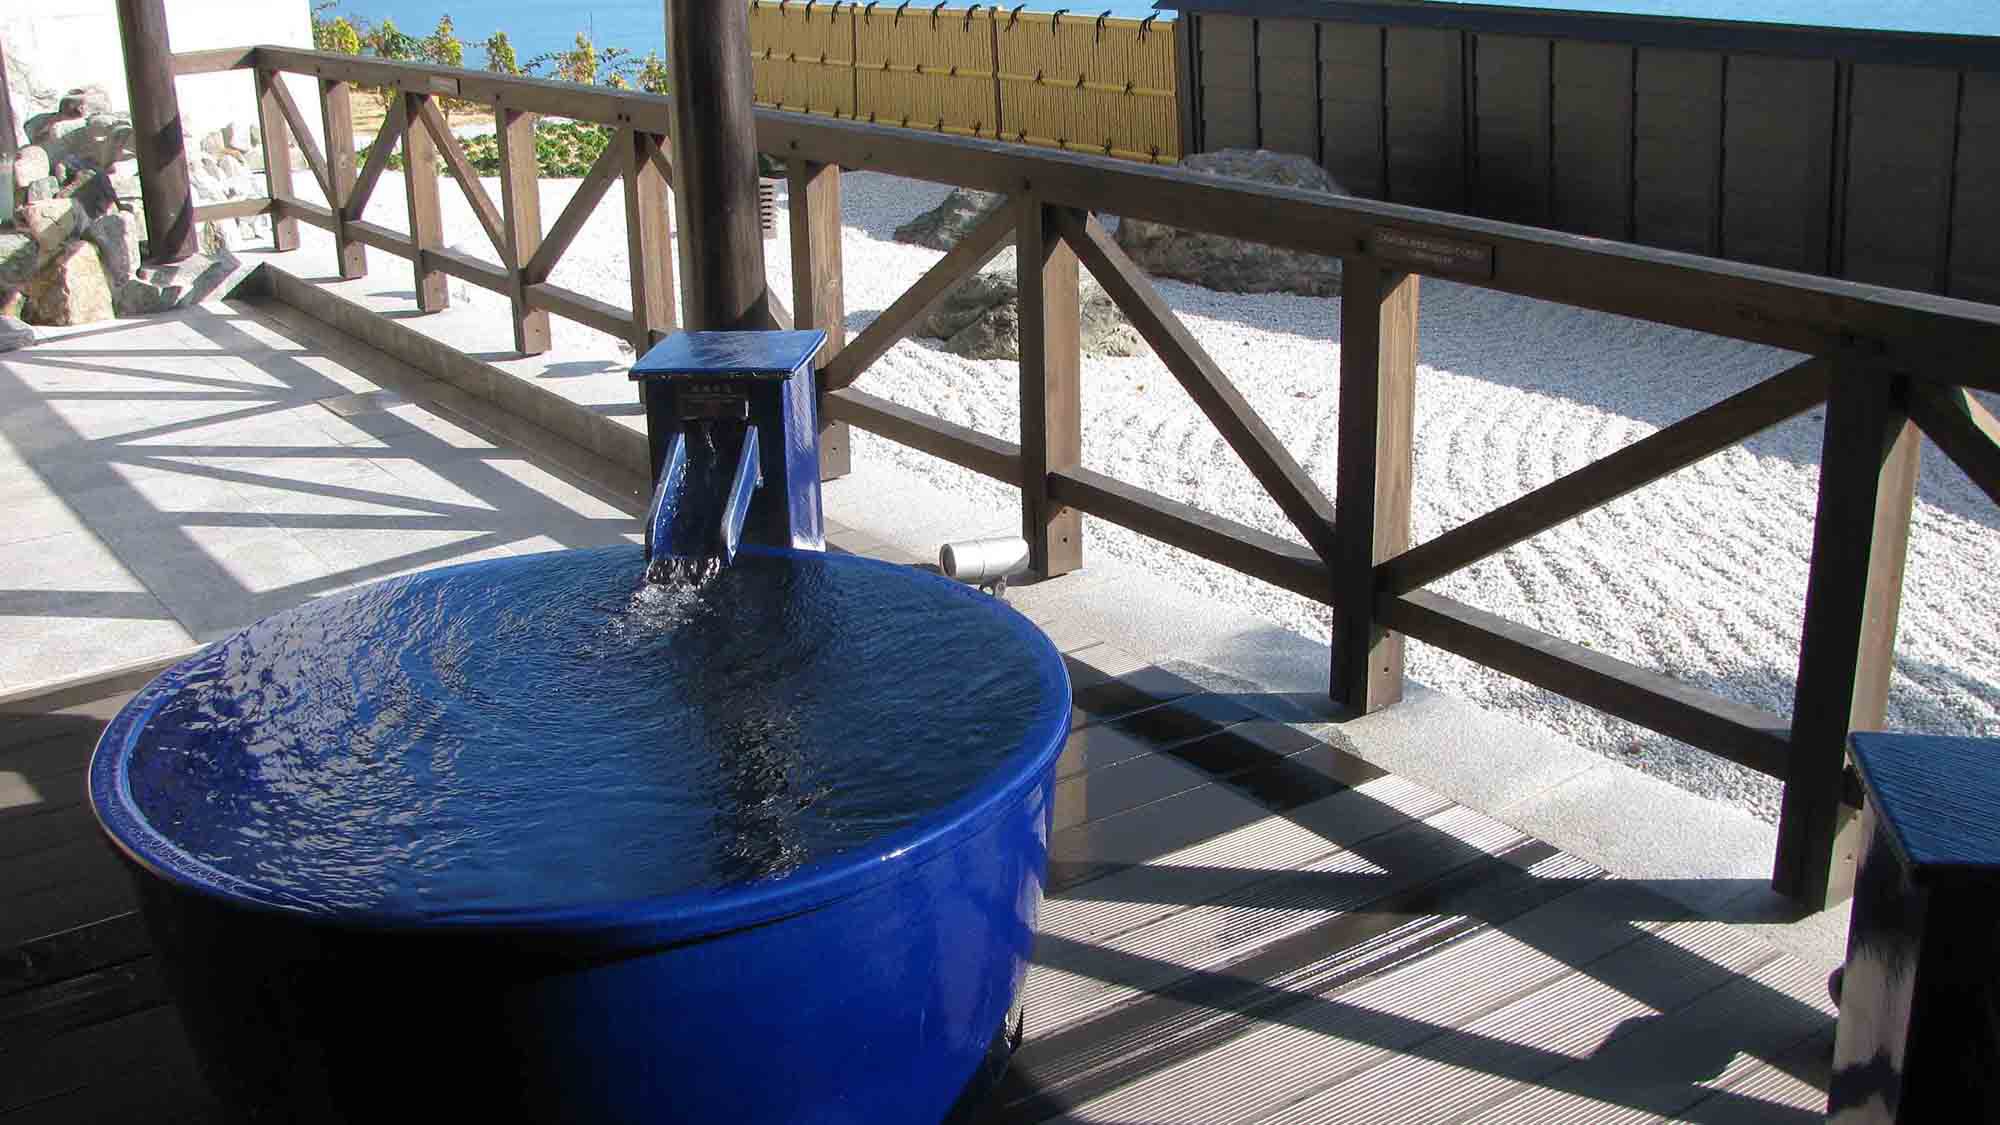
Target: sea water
(551, 732)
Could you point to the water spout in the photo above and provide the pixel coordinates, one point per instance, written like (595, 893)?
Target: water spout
(695, 522)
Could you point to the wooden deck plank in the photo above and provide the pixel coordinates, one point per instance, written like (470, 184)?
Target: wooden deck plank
(39, 1015)
(1488, 1059)
(1356, 1024)
(1668, 1064)
(73, 953)
(80, 1059)
(1075, 979)
(1057, 1071)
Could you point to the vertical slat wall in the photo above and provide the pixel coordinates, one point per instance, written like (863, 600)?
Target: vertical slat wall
(1226, 48)
(1591, 157)
(1103, 86)
(1288, 86)
(802, 58)
(1350, 106)
(1677, 150)
(1511, 120)
(925, 71)
(1975, 228)
(1777, 176)
(1901, 132)
(1425, 119)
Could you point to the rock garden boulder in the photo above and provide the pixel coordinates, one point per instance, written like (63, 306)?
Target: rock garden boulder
(942, 226)
(15, 334)
(71, 289)
(980, 318)
(1228, 264)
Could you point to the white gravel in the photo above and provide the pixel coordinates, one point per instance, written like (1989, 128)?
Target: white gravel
(1701, 575)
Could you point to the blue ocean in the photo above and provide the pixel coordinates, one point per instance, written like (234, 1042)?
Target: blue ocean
(536, 26)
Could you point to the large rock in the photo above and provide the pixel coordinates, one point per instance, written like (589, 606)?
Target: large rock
(30, 164)
(942, 226)
(71, 289)
(37, 190)
(95, 143)
(50, 222)
(980, 318)
(116, 236)
(1228, 264)
(20, 255)
(92, 193)
(15, 334)
(84, 101)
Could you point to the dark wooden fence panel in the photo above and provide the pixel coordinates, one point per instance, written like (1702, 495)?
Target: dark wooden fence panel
(1228, 82)
(1677, 150)
(1288, 86)
(1592, 143)
(1777, 176)
(1851, 154)
(1902, 123)
(1426, 117)
(1975, 231)
(1350, 91)
(1511, 107)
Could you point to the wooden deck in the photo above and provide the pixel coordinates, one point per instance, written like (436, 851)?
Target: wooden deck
(1246, 925)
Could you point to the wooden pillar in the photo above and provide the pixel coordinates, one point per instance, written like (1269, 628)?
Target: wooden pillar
(156, 131)
(817, 301)
(521, 210)
(420, 179)
(277, 134)
(715, 165)
(1378, 378)
(1051, 384)
(649, 244)
(1867, 484)
(337, 120)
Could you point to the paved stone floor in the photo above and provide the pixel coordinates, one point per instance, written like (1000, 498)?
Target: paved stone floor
(167, 480)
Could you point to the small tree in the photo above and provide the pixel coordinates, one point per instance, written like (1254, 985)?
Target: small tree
(387, 41)
(578, 64)
(442, 46)
(653, 73)
(500, 54)
(340, 36)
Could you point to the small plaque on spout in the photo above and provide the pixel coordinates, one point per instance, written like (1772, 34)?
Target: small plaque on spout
(1430, 253)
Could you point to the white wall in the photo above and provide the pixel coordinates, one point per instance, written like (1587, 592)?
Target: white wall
(61, 44)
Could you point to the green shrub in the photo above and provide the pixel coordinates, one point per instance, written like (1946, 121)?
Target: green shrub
(564, 150)
(500, 54)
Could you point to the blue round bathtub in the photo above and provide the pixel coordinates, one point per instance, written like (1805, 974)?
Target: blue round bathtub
(871, 983)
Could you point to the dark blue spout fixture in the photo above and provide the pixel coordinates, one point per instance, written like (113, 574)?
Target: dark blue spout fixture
(735, 446)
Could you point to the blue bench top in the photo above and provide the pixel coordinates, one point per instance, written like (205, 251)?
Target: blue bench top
(730, 353)
(1939, 796)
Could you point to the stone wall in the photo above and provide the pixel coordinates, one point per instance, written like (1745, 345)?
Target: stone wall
(72, 254)
(58, 45)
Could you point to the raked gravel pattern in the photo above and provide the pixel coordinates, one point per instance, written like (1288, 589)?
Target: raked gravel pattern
(1701, 575)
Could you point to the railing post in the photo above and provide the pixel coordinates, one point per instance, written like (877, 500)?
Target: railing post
(337, 120)
(420, 180)
(649, 242)
(277, 134)
(156, 131)
(715, 167)
(521, 210)
(1378, 379)
(1867, 484)
(817, 301)
(1051, 399)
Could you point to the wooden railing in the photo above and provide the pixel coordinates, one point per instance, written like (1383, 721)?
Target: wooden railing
(1886, 363)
